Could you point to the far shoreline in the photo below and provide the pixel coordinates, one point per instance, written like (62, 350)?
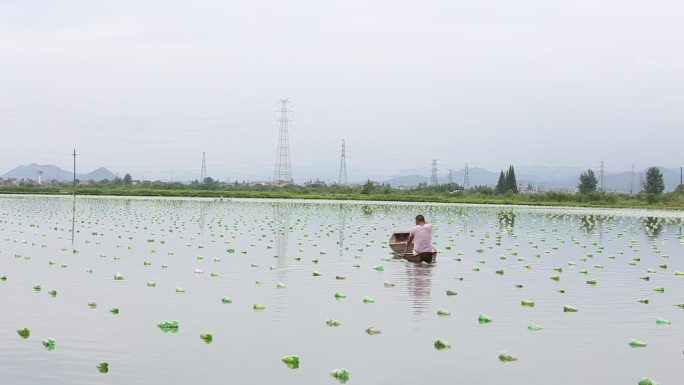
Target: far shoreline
(373, 198)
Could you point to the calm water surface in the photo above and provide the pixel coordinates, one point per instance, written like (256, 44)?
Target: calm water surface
(250, 246)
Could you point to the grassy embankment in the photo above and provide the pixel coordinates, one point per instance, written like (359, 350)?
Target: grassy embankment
(673, 200)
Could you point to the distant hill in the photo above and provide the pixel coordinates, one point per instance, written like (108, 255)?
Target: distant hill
(98, 174)
(51, 172)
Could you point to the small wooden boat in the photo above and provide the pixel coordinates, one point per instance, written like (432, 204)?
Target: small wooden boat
(398, 242)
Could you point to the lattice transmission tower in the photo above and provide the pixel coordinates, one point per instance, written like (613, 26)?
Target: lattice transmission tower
(433, 176)
(342, 180)
(283, 170)
(466, 178)
(203, 173)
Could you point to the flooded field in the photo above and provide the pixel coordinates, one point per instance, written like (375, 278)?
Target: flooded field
(180, 291)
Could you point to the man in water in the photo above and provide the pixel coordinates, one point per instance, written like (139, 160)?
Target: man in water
(421, 237)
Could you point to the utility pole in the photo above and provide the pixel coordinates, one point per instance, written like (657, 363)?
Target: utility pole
(203, 173)
(74, 155)
(342, 180)
(73, 206)
(602, 177)
(283, 169)
(433, 176)
(631, 181)
(466, 178)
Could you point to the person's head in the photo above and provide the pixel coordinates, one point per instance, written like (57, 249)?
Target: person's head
(420, 219)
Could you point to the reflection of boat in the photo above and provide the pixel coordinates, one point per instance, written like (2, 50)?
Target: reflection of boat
(398, 242)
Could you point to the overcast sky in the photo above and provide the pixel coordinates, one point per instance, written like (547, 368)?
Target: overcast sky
(146, 86)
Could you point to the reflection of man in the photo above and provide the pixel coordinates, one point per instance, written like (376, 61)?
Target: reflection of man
(421, 237)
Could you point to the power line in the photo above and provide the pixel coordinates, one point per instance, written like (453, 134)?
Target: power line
(283, 169)
(342, 180)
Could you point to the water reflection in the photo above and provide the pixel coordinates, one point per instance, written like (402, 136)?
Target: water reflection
(587, 222)
(340, 229)
(419, 284)
(281, 226)
(506, 219)
(73, 221)
(653, 226)
(203, 216)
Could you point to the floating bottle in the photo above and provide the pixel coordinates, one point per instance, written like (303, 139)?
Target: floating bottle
(441, 344)
(168, 326)
(103, 367)
(637, 344)
(342, 375)
(443, 312)
(333, 322)
(24, 333)
(533, 327)
(371, 331)
(49, 344)
(292, 361)
(505, 357)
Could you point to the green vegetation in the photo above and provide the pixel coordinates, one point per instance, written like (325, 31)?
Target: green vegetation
(587, 182)
(507, 182)
(503, 193)
(654, 183)
(479, 194)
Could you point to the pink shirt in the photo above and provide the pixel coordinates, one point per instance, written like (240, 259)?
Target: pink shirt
(422, 238)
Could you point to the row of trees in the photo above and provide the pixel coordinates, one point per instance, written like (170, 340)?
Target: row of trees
(507, 182)
(653, 184)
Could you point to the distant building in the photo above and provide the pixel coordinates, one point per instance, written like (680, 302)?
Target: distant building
(316, 183)
(529, 189)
